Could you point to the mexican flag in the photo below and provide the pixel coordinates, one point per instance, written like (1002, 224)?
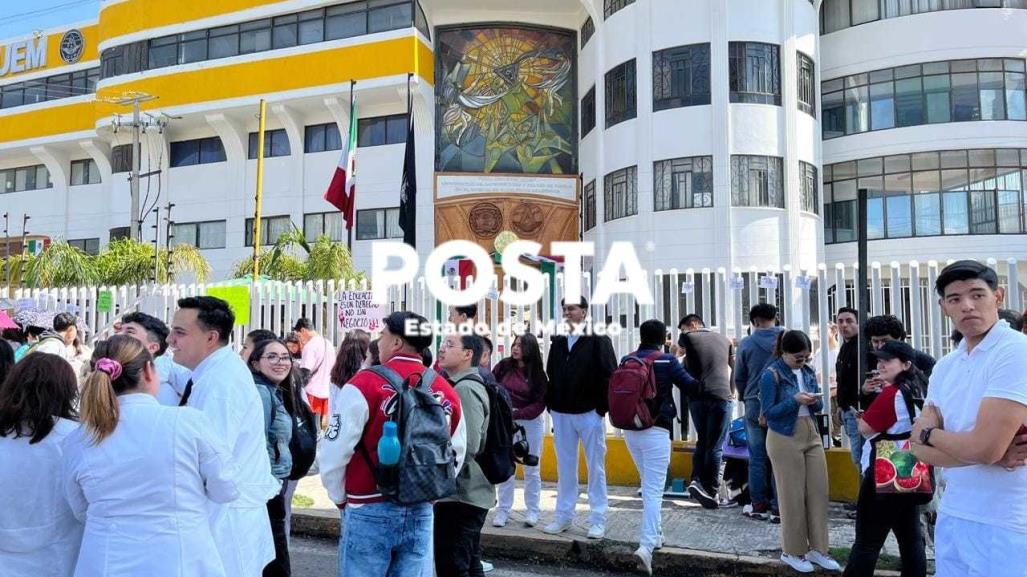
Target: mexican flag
(342, 191)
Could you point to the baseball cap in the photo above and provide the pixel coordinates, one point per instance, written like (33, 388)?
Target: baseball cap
(965, 270)
(895, 350)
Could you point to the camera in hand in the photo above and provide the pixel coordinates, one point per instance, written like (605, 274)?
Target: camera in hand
(521, 450)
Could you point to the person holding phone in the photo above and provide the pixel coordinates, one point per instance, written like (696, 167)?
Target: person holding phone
(790, 398)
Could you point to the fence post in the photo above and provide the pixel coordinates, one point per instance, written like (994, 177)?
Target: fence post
(896, 292)
(916, 313)
(1013, 290)
(937, 337)
(787, 279)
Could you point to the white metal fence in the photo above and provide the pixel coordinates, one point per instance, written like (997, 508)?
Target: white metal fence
(805, 298)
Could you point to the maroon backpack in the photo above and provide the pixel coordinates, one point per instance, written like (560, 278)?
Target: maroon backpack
(632, 387)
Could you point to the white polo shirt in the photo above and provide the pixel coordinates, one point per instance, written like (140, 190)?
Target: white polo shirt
(995, 368)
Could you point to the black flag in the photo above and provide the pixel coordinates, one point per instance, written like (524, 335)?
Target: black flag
(408, 188)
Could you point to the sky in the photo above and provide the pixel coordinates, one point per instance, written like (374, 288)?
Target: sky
(18, 17)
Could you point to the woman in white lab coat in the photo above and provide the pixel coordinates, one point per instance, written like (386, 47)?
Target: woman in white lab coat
(140, 474)
(39, 535)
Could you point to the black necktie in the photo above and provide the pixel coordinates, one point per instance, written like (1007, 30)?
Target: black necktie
(185, 395)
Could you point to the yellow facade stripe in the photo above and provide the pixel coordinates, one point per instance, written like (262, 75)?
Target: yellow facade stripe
(49, 121)
(137, 15)
(53, 53)
(298, 71)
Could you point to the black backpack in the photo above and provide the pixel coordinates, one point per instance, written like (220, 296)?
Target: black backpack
(426, 471)
(497, 457)
(303, 444)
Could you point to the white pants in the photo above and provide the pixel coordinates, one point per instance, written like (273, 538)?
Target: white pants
(534, 430)
(650, 449)
(590, 429)
(969, 549)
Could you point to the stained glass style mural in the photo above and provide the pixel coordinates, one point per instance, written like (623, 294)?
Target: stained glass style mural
(506, 100)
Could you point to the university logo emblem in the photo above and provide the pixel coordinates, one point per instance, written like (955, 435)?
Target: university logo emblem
(72, 45)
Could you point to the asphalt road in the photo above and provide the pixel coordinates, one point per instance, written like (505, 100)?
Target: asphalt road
(318, 558)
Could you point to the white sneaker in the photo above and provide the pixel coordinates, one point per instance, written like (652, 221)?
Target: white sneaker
(486, 567)
(557, 527)
(823, 560)
(644, 559)
(531, 519)
(800, 564)
(596, 532)
(500, 519)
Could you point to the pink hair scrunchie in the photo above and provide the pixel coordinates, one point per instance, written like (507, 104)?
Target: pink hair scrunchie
(109, 366)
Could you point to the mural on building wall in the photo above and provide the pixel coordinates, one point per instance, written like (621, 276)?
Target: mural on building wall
(507, 101)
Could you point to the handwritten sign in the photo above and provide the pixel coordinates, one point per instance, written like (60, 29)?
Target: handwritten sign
(104, 301)
(356, 311)
(238, 299)
(804, 282)
(736, 283)
(687, 287)
(768, 282)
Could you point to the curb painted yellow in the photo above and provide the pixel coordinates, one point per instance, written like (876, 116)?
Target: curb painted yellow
(298, 71)
(137, 15)
(620, 469)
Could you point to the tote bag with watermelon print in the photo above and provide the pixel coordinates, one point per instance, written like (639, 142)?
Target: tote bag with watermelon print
(897, 471)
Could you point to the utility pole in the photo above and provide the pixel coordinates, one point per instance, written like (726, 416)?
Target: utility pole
(156, 244)
(260, 189)
(24, 243)
(7, 252)
(167, 239)
(135, 98)
(862, 281)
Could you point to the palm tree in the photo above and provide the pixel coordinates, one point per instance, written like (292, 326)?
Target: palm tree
(325, 260)
(60, 264)
(128, 261)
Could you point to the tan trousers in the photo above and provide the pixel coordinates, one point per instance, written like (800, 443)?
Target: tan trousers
(800, 471)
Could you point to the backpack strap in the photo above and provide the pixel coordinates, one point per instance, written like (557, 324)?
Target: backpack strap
(390, 375)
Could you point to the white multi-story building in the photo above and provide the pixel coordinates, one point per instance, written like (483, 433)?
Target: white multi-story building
(723, 131)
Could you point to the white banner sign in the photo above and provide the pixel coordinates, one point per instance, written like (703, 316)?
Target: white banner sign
(453, 185)
(356, 311)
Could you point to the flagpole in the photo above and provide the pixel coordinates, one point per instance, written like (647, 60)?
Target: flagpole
(352, 205)
(260, 190)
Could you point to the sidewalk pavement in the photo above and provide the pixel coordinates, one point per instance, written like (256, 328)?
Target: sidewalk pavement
(697, 541)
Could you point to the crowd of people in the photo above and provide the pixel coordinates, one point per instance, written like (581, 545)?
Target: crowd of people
(164, 451)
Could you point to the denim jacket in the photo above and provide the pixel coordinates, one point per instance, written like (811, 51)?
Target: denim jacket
(777, 396)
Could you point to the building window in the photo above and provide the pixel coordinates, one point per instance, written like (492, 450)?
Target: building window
(951, 192)
(620, 193)
(121, 158)
(929, 93)
(271, 227)
(84, 172)
(23, 178)
(840, 14)
(378, 224)
(198, 151)
(284, 31)
(588, 112)
(51, 88)
(683, 183)
(202, 235)
(757, 181)
(610, 7)
(119, 232)
(755, 72)
(681, 76)
(809, 184)
(276, 143)
(621, 99)
(89, 246)
(807, 79)
(587, 30)
(382, 130)
(589, 214)
(327, 223)
(322, 137)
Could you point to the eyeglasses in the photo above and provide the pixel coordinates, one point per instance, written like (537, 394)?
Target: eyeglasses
(277, 359)
(799, 359)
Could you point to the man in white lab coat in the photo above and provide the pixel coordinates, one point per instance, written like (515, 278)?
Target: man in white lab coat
(153, 333)
(222, 388)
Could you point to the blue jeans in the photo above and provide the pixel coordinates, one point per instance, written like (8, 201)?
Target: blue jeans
(761, 482)
(851, 422)
(712, 418)
(385, 540)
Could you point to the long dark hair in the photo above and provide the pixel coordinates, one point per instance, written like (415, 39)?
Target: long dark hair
(100, 409)
(39, 390)
(531, 356)
(912, 383)
(6, 359)
(350, 358)
(290, 385)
